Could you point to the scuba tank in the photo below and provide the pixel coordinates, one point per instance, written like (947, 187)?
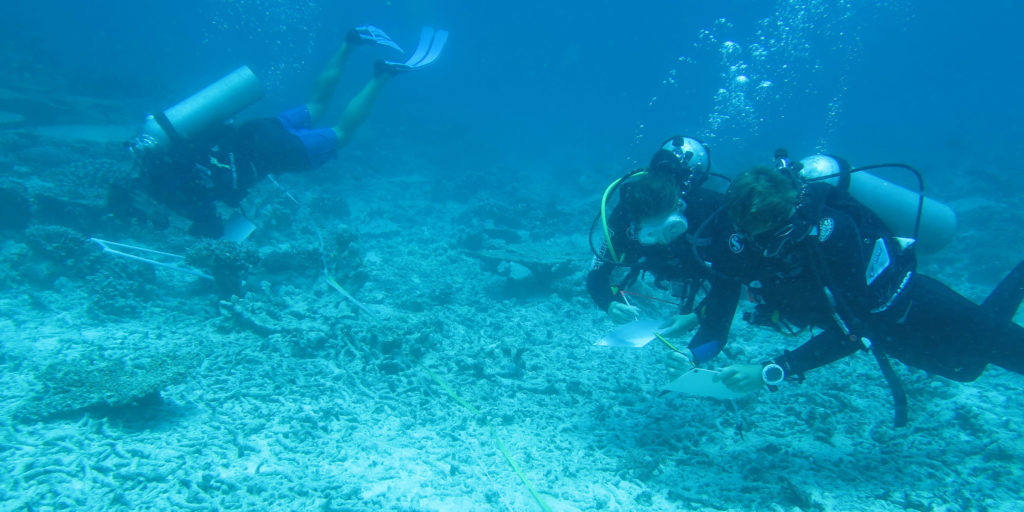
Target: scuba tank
(907, 213)
(205, 109)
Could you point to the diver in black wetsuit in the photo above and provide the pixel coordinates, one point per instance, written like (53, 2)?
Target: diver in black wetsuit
(648, 231)
(819, 258)
(191, 176)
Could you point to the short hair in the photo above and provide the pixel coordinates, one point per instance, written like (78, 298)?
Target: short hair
(649, 193)
(761, 199)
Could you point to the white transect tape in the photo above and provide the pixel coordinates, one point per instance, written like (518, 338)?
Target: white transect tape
(176, 262)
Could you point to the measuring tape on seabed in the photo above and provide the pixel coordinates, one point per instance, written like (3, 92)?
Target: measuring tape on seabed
(444, 385)
(323, 255)
(494, 437)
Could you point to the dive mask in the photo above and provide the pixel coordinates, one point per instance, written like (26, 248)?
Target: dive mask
(661, 230)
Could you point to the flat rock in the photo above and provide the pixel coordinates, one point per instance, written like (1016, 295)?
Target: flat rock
(532, 253)
(10, 118)
(93, 133)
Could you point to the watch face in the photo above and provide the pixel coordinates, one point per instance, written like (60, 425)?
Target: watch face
(773, 374)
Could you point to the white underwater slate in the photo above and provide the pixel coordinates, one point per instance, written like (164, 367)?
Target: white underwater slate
(700, 382)
(635, 334)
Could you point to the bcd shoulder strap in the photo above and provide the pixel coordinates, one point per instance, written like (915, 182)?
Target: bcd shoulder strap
(852, 327)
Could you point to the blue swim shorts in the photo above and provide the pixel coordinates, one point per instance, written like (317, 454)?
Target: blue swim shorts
(320, 143)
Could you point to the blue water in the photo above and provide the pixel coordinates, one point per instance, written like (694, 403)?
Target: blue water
(529, 98)
(571, 83)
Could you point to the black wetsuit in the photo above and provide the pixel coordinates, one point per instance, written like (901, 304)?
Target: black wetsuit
(190, 180)
(840, 270)
(675, 266)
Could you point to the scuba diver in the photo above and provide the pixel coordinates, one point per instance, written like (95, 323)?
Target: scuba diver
(816, 256)
(648, 230)
(190, 158)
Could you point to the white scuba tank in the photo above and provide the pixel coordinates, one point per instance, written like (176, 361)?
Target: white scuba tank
(205, 109)
(895, 205)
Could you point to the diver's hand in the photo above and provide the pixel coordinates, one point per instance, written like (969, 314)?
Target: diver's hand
(679, 362)
(678, 325)
(622, 313)
(741, 378)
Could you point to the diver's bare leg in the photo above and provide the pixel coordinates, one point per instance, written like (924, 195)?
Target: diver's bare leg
(358, 108)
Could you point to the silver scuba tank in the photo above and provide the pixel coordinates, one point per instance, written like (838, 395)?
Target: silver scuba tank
(895, 205)
(205, 109)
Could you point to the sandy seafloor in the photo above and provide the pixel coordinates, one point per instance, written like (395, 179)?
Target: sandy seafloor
(125, 387)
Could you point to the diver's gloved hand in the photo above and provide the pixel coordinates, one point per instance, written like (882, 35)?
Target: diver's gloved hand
(741, 378)
(680, 362)
(622, 313)
(679, 325)
(369, 34)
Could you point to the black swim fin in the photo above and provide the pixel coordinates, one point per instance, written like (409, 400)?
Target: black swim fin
(1004, 300)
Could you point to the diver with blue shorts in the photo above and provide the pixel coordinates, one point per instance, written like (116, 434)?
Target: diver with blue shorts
(189, 158)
